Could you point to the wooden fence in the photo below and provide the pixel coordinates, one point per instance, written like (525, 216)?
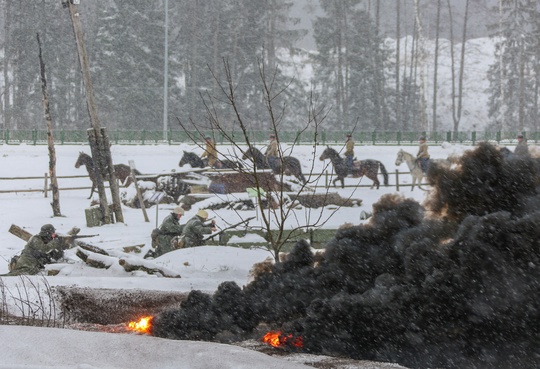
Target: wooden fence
(45, 178)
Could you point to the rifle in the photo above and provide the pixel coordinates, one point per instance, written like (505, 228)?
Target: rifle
(227, 228)
(69, 240)
(209, 222)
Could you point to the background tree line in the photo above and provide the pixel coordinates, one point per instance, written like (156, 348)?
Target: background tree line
(365, 83)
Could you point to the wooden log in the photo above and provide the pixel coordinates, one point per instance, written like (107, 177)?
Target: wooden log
(23, 234)
(95, 260)
(146, 266)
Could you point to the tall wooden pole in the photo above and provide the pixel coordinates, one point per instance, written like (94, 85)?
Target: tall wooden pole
(100, 152)
(50, 141)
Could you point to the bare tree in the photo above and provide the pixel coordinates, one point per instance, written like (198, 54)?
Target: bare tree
(436, 65)
(457, 91)
(280, 201)
(50, 141)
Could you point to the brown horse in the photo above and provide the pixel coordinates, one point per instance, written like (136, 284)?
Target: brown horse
(197, 162)
(288, 165)
(368, 168)
(121, 171)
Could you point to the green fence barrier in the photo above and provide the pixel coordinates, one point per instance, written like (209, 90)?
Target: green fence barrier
(147, 137)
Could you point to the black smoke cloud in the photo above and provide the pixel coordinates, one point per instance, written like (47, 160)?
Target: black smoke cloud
(453, 283)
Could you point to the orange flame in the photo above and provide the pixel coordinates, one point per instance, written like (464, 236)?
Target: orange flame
(142, 326)
(278, 339)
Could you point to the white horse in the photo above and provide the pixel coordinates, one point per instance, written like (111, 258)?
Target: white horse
(414, 168)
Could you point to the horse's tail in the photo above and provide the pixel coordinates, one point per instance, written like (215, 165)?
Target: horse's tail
(384, 173)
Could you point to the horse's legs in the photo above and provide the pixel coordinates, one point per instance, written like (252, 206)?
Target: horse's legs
(420, 182)
(375, 182)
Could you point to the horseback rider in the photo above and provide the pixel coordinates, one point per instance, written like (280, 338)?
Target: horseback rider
(422, 158)
(196, 227)
(349, 153)
(521, 148)
(272, 152)
(211, 153)
(163, 236)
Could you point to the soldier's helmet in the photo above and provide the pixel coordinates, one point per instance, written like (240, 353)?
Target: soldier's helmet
(178, 210)
(47, 232)
(202, 214)
(48, 229)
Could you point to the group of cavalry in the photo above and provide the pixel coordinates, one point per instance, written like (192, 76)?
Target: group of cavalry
(288, 165)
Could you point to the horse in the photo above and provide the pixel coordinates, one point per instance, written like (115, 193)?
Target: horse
(288, 165)
(192, 159)
(415, 169)
(368, 167)
(121, 171)
(197, 162)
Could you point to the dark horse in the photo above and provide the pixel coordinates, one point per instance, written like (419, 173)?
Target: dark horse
(368, 168)
(291, 165)
(197, 162)
(121, 171)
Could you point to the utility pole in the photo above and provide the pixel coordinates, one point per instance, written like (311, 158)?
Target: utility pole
(99, 144)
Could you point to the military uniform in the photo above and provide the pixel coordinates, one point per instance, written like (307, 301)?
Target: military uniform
(169, 229)
(522, 148)
(272, 153)
(422, 157)
(40, 250)
(194, 231)
(210, 152)
(163, 236)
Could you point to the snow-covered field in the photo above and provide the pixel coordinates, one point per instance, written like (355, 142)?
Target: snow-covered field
(202, 268)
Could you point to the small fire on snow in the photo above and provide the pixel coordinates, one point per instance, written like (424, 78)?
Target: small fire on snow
(278, 339)
(142, 326)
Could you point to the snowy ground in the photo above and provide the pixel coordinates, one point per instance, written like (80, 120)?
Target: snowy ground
(201, 268)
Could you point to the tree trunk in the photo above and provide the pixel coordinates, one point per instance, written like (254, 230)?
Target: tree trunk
(113, 183)
(50, 140)
(92, 111)
(462, 66)
(7, 57)
(436, 65)
(398, 61)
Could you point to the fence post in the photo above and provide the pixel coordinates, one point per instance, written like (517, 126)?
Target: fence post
(46, 185)
(143, 134)
(449, 136)
(34, 136)
(397, 179)
(373, 137)
(323, 136)
(398, 138)
(6, 136)
(326, 179)
(473, 137)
